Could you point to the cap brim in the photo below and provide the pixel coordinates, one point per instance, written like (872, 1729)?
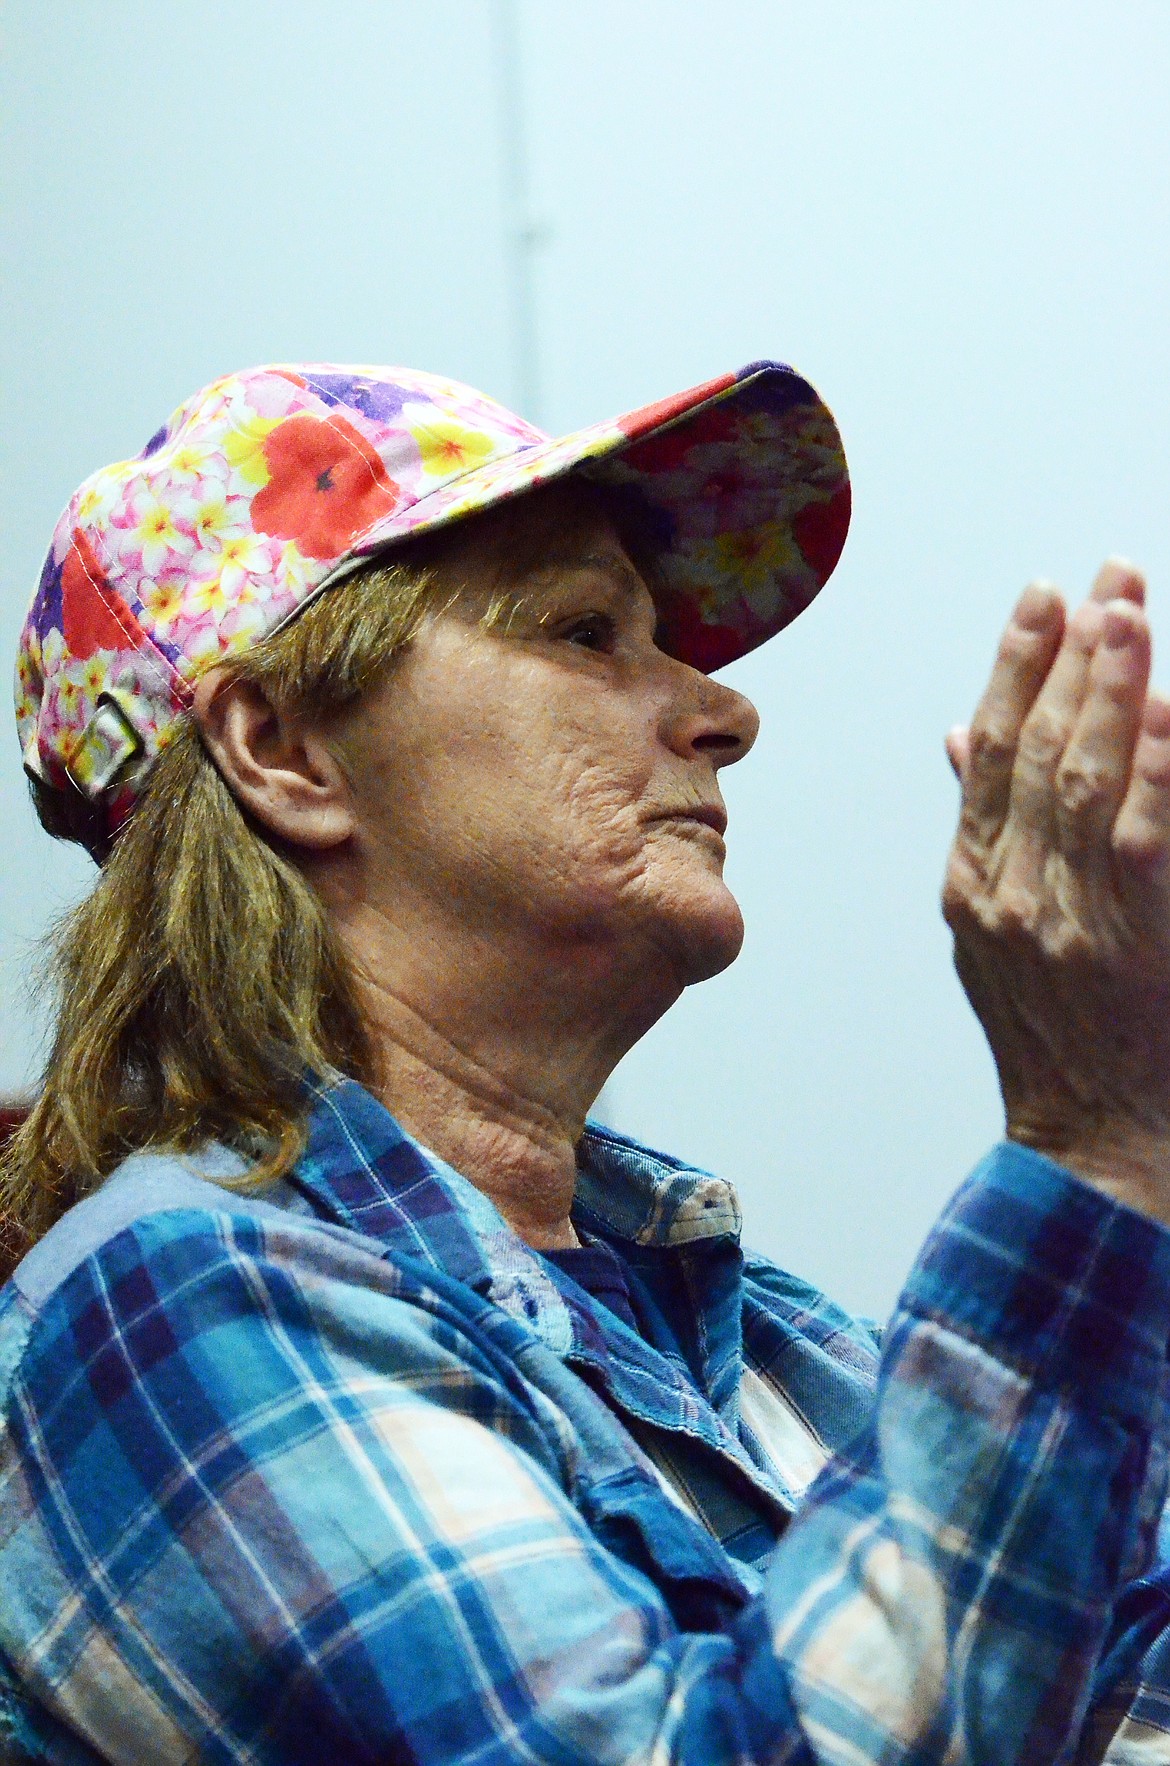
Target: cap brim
(738, 490)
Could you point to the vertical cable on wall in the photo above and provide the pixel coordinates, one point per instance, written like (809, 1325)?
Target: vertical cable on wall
(523, 234)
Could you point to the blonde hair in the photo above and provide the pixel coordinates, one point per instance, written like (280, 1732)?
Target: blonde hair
(201, 978)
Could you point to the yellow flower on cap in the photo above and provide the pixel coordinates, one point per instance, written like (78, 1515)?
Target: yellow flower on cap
(207, 598)
(95, 674)
(274, 482)
(243, 447)
(449, 448)
(164, 600)
(211, 518)
(190, 461)
(101, 493)
(156, 533)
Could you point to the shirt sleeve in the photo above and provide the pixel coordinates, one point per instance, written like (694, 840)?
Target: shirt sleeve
(258, 1502)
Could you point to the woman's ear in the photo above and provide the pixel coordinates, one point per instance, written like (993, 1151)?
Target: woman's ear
(277, 766)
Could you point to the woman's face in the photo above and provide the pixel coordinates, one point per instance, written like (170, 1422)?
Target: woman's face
(555, 779)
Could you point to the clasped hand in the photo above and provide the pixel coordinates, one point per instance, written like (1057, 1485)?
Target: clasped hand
(1058, 886)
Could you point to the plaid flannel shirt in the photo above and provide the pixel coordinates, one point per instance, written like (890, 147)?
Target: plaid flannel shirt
(346, 1472)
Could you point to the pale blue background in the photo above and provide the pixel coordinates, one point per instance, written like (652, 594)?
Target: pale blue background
(952, 217)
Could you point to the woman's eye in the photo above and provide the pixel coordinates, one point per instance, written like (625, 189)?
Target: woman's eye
(594, 631)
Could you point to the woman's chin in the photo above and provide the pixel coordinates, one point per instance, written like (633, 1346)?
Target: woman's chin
(717, 953)
(706, 932)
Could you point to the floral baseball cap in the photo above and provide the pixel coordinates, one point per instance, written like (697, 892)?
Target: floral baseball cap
(275, 483)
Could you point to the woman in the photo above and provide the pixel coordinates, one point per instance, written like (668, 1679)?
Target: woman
(363, 1403)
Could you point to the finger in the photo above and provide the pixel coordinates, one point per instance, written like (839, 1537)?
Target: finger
(1043, 739)
(1141, 833)
(1095, 770)
(1119, 580)
(1049, 726)
(957, 743)
(1026, 653)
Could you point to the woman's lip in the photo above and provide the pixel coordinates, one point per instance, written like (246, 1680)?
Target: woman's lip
(706, 814)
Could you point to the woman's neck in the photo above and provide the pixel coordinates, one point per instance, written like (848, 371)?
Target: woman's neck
(493, 1062)
(508, 1146)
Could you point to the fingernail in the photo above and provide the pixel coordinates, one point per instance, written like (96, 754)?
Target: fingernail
(1118, 629)
(1125, 580)
(1034, 607)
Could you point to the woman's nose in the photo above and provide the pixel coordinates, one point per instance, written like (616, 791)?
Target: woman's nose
(715, 720)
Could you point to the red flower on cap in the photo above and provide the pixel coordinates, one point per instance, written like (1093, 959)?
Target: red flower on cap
(685, 632)
(327, 484)
(670, 450)
(93, 617)
(819, 530)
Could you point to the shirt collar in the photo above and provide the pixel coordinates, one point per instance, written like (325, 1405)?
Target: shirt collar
(361, 1169)
(650, 1197)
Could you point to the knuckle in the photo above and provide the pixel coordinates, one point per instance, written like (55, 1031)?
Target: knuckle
(1082, 786)
(1014, 915)
(959, 892)
(1042, 738)
(1114, 690)
(1069, 944)
(1017, 645)
(992, 745)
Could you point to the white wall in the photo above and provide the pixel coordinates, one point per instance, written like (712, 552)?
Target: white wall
(952, 218)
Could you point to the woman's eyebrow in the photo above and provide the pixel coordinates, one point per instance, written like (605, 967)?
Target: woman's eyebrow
(613, 564)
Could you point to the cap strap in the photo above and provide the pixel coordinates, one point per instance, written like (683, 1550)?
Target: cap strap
(107, 744)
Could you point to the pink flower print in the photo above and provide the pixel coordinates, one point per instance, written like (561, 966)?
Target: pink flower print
(153, 538)
(95, 499)
(188, 462)
(243, 448)
(468, 407)
(210, 520)
(242, 558)
(754, 557)
(201, 644)
(27, 706)
(273, 394)
(135, 493)
(726, 483)
(210, 516)
(206, 602)
(448, 448)
(67, 701)
(53, 651)
(242, 625)
(293, 572)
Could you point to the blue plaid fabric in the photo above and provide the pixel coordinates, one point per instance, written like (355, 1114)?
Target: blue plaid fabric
(343, 1471)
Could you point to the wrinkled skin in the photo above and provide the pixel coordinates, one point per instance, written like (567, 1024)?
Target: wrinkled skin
(508, 833)
(1058, 886)
(523, 782)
